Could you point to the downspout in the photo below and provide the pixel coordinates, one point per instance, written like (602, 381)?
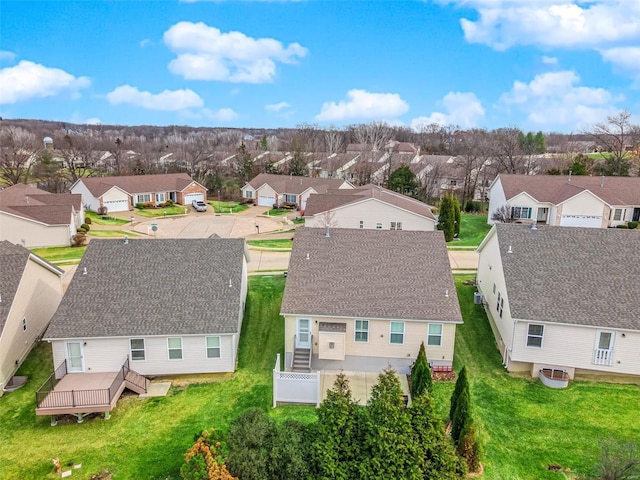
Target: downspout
(510, 348)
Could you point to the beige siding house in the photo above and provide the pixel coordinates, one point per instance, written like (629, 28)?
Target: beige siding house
(563, 299)
(35, 218)
(568, 201)
(168, 306)
(30, 292)
(360, 300)
(368, 207)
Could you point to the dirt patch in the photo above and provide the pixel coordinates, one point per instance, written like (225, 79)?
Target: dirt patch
(102, 476)
(182, 381)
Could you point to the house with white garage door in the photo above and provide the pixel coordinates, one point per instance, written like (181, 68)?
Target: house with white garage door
(268, 189)
(119, 194)
(569, 201)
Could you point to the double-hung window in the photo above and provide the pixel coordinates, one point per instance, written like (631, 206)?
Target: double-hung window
(248, 194)
(175, 348)
(24, 324)
(534, 335)
(288, 198)
(434, 335)
(520, 212)
(395, 226)
(617, 214)
(362, 331)
(160, 197)
(213, 347)
(397, 333)
(137, 348)
(379, 226)
(144, 198)
(361, 224)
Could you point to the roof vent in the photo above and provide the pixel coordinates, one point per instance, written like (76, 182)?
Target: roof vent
(84, 271)
(602, 181)
(26, 198)
(126, 239)
(307, 255)
(569, 175)
(230, 284)
(326, 231)
(510, 250)
(446, 293)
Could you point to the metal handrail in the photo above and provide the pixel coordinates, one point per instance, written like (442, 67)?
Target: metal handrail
(310, 350)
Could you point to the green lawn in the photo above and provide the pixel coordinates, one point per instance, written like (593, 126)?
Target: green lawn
(473, 229)
(147, 438)
(60, 254)
(278, 212)
(110, 233)
(227, 207)
(160, 212)
(273, 243)
(104, 219)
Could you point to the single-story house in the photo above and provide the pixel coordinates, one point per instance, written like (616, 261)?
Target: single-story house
(268, 189)
(30, 292)
(36, 218)
(119, 194)
(568, 201)
(360, 300)
(368, 207)
(158, 307)
(563, 298)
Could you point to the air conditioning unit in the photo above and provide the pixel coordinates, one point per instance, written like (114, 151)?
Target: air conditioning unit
(477, 298)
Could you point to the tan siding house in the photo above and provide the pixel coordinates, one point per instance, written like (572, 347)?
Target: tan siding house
(562, 298)
(31, 290)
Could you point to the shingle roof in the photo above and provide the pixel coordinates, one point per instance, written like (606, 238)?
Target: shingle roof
(39, 205)
(318, 203)
(581, 276)
(556, 189)
(370, 274)
(295, 185)
(169, 182)
(153, 287)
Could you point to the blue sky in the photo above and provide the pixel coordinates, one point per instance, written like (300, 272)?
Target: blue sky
(551, 65)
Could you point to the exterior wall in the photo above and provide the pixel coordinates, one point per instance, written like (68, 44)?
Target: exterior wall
(497, 199)
(36, 300)
(108, 355)
(371, 211)
(585, 203)
(266, 191)
(302, 198)
(325, 340)
(346, 186)
(192, 188)
(378, 344)
(91, 202)
(248, 189)
(15, 229)
(113, 195)
(627, 214)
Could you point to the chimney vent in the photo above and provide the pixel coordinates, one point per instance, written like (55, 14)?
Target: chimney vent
(84, 271)
(446, 293)
(308, 256)
(126, 239)
(510, 250)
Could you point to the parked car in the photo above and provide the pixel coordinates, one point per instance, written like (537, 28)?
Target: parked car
(199, 205)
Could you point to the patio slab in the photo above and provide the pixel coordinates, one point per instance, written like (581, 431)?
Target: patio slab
(156, 389)
(360, 383)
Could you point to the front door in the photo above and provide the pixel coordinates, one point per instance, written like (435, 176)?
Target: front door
(303, 335)
(75, 361)
(636, 215)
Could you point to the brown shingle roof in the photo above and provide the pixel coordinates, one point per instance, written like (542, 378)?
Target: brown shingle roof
(295, 185)
(39, 205)
(371, 274)
(556, 189)
(132, 184)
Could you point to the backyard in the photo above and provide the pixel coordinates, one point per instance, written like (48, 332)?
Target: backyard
(473, 229)
(526, 426)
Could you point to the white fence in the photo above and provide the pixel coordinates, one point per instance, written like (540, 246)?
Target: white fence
(294, 387)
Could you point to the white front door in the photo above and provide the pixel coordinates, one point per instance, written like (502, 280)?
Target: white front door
(75, 360)
(303, 336)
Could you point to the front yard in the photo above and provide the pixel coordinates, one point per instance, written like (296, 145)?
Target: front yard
(227, 207)
(525, 425)
(164, 211)
(60, 254)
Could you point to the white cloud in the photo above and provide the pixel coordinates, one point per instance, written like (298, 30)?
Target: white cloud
(463, 109)
(221, 115)
(146, 43)
(624, 58)
(364, 105)
(206, 53)
(277, 107)
(549, 60)
(93, 121)
(28, 80)
(167, 100)
(7, 55)
(556, 101)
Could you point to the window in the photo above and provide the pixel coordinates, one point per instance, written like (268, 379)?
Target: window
(534, 335)
(494, 288)
(395, 226)
(397, 333)
(175, 348)
(498, 305)
(290, 198)
(453, 183)
(248, 194)
(434, 336)
(213, 347)
(520, 212)
(137, 348)
(144, 198)
(160, 197)
(24, 324)
(362, 331)
(361, 224)
(617, 214)
(379, 226)
(605, 341)
(501, 307)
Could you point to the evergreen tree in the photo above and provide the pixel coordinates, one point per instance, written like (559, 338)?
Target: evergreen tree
(421, 380)
(461, 416)
(446, 217)
(403, 180)
(456, 215)
(461, 383)
(540, 143)
(469, 447)
(200, 461)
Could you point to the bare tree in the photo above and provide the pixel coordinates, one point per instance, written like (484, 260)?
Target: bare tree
(375, 134)
(502, 214)
(79, 154)
(18, 148)
(333, 140)
(507, 151)
(619, 461)
(614, 138)
(474, 152)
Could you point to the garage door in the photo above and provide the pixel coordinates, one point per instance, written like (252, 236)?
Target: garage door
(266, 201)
(190, 197)
(116, 205)
(580, 221)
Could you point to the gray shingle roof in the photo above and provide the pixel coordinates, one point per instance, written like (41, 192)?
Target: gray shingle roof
(581, 276)
(169, 182)
(153, 287)
(370, 274)
(295, 185)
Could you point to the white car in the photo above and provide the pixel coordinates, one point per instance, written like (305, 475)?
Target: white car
(199, 205)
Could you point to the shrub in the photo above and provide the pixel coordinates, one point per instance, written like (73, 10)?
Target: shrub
(81, 230)
(102, 210)
(79, 239)
(622, 226)
(88, 220)
(85, 226)
(469, 447)
(138, 205)
(169, 203)
(633, 225)
(421, 380)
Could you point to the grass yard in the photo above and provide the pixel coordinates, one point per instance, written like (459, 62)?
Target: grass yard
(528, 426)
(278, 212)
(473, 229)
(273, 243)
(160, 212)
(60, 254)
(147, 439)
(104, 219)
(110, 233)
(227, 207)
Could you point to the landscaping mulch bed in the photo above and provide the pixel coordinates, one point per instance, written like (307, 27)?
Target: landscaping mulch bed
(444, 376)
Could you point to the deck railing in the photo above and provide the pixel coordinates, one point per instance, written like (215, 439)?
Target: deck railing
(51, 382)
(603, 356)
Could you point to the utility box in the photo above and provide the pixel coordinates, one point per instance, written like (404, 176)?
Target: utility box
(477, 298)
